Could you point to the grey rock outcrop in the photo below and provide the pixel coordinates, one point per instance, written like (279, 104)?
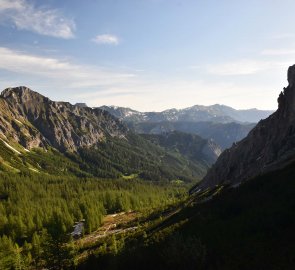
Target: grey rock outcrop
(82, 105)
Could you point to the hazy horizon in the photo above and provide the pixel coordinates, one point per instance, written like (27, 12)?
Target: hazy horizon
(149, 55)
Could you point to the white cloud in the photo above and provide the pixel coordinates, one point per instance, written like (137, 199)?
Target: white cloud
(25, 16)
(279, 52)
(63, 71)
(106, 39)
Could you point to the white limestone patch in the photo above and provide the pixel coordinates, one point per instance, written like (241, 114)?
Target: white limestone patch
(18, 121)
(10, 147)
(34, 170)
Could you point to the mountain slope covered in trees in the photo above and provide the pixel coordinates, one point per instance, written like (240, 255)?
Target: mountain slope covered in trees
(191, 146)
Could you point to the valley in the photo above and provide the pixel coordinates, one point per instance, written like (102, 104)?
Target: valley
(82, 189)
(147, 135)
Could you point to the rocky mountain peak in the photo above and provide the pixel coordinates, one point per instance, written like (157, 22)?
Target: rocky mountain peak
(32, 120)
(21, 94)
(269, 146)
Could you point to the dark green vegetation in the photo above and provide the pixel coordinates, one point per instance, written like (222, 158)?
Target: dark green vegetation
(249, 227)
(37, 213)
(112, 158)
(117, 157)
(191, 146)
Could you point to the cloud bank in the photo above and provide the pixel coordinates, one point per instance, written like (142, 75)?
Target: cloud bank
(63, 71)
(25, 16)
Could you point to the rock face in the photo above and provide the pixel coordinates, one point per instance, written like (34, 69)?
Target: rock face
(33, 120)
(269, 146)
(82, 105)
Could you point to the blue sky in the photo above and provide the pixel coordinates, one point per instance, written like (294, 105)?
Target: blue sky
(149, 55)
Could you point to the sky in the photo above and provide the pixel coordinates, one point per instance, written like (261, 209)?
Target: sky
(149, 55)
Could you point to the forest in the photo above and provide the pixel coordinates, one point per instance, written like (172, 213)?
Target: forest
(37, 213)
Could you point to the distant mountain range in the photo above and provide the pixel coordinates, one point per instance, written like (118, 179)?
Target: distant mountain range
(198, 113)
(38, 135)
(220, 123)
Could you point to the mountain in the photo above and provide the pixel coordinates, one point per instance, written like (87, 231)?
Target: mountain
(33, 120)
(189, 145)
(198, 113)
(268, 147)
(224, 134)
(38, 135)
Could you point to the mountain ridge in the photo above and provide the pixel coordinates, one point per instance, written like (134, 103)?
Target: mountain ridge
(220, 123)
(196, 113)
(52, 121)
